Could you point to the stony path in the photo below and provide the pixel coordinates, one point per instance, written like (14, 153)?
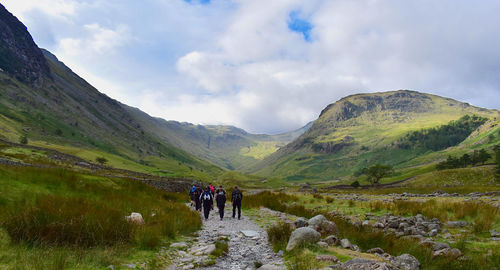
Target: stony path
(248, 244)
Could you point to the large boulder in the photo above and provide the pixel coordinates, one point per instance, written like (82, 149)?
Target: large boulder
(406, 262)
(320, 224)
(345, 243)
(304, 235)
(332, 240)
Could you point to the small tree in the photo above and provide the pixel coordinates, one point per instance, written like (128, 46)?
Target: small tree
(23, 139)
(483, 156)
(377, 172)
(101, 160)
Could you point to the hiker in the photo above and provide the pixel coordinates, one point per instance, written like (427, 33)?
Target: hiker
(197, 200)
(236, 198)
(208, 201)
(212, 189)
(220, 198)
(191, 195)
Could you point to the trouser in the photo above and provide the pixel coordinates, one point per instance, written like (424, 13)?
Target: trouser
(221, 209)
(206, 209)
(237, 204)
(198, 204)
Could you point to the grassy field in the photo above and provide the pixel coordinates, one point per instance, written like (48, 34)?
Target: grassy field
(58, 219)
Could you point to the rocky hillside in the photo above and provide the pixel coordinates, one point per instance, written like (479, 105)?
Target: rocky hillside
(42, 99)
(361, 130)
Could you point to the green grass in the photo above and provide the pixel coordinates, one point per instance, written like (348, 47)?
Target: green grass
(80, 217)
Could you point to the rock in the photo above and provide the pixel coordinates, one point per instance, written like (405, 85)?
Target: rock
(355, 248)
(301, 236)
(363, 264)
(179, 245)
(322, 225)
(448, 252)
(301, 222)
(112, 267)
(130, 265)
(439, 246)
(327, 258)
(376, 250)
(378, 225)
(270, 267)
(456, 224)
(135, 218)
(345, 243)
(322, 244)
(366, 223)
(494, 233)
(406, 262)
(331, 240)
(249, 233)
(433, 233)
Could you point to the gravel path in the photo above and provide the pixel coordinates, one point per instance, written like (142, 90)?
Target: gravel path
(248, 244)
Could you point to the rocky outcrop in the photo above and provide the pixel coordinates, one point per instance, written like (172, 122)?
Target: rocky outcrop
(304, 235)
(20, 57)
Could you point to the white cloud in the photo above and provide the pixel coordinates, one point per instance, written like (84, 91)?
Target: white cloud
(237, 62)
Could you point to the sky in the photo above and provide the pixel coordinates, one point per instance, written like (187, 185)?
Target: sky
(269, 66)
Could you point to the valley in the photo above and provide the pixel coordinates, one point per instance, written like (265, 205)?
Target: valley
(382, 180)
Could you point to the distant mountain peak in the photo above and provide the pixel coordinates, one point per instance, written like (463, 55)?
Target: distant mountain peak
(20, 57)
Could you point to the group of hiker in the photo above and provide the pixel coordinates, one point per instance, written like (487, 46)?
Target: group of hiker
(204, 199)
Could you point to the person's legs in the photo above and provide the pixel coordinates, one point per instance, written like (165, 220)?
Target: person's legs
(239, 210)
(234, 209)
(206, 209)
(221, 211)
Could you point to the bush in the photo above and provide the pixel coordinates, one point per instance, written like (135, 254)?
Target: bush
(355, 184)
(101, 160)
(221, 247)
(329, 199)
(23, 139)
(68, 221)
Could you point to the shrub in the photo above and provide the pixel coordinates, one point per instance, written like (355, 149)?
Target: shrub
(68, 221)
(23, 139)
(355, 184)
(279, 234)
(101, 160)
(329, 199)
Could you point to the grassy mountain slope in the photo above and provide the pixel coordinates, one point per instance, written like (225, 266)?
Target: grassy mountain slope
(226, 146)
(55, 108)
(361, 130)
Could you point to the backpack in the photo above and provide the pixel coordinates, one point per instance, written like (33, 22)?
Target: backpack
(221, 195)
(237, 196)
(206, 196)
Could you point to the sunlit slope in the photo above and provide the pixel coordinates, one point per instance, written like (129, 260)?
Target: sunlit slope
(361, 130)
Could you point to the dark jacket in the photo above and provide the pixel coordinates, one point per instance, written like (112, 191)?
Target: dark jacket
(237, 196)
(220, 196)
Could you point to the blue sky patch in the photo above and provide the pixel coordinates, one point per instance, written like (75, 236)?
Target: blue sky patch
(203, 2)
(299, 25)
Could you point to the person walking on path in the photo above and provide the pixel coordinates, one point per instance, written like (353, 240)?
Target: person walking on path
(220, 198)
(207, 201)
(191, 195)
(197, 199)
(236, 198)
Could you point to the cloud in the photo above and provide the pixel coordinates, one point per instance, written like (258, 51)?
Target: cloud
(270, 66)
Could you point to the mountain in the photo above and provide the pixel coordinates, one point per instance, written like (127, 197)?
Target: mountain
(44, 100)
(361, 130)
(226, 146)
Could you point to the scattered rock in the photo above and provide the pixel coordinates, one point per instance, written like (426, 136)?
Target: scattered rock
(270, 267)
(456, 224)
(376, 250)
(179, 245)
(301, 222)
(322, 244)
(345, 243)
(302, 235)
(332, 240)
(320, 224)
(448, 252)
(327, 258)
(249, 233)
(406, 262)
(363, 264)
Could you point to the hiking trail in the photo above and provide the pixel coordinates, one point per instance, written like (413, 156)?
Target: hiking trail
(248, 245)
